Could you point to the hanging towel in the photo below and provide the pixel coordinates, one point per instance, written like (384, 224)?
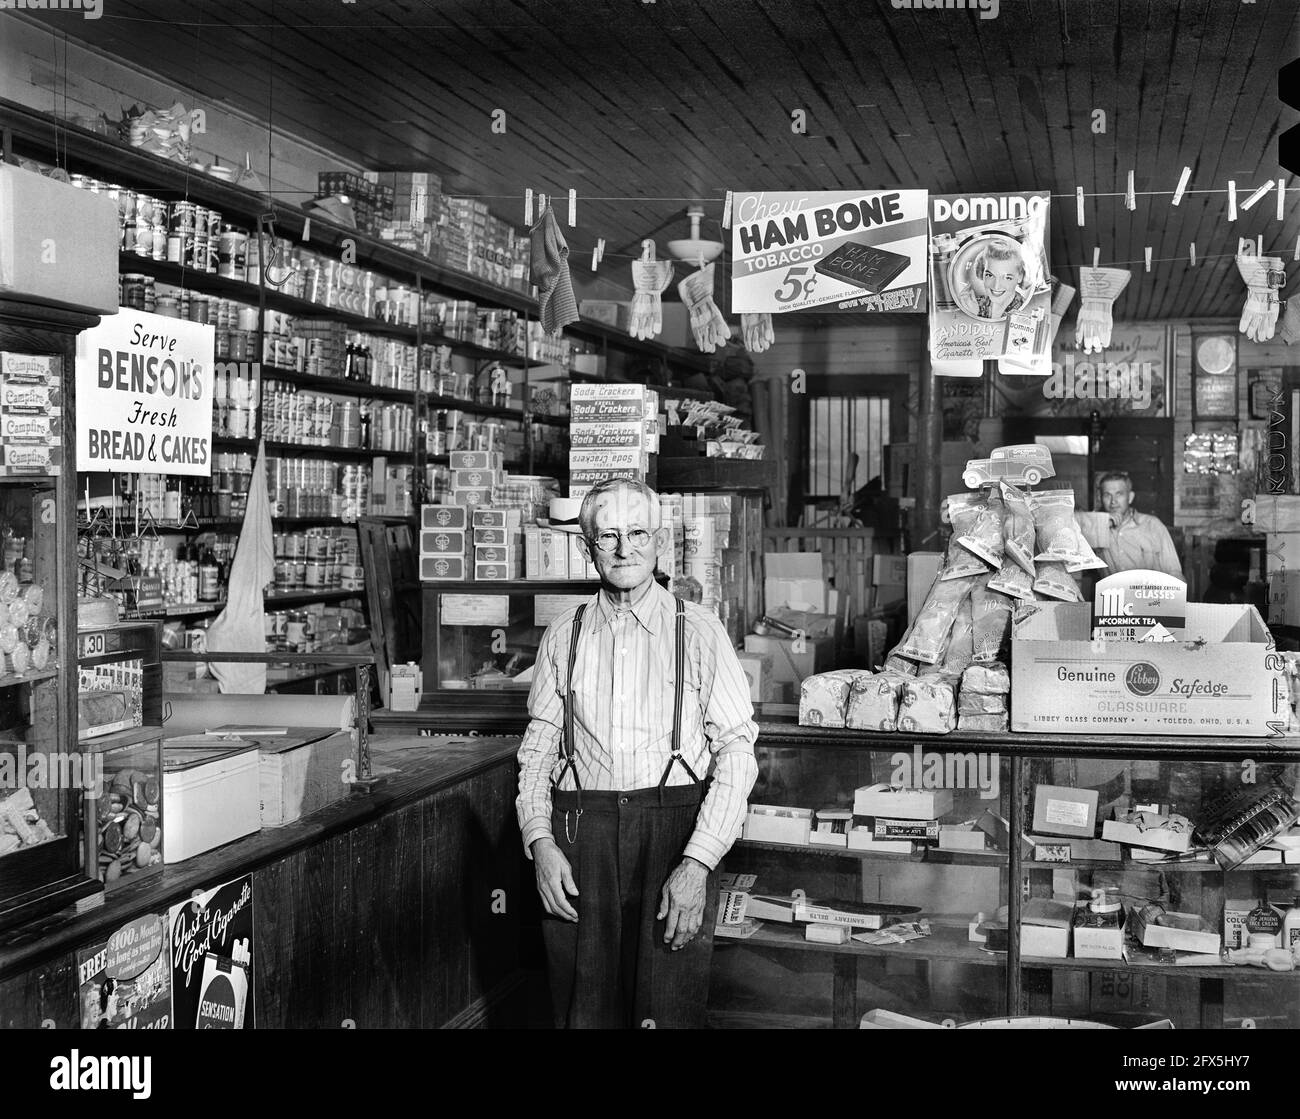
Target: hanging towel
(550, 272)
(239, 627)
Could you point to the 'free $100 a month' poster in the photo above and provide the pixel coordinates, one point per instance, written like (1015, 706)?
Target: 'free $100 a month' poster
(144, 395)
(829, 251)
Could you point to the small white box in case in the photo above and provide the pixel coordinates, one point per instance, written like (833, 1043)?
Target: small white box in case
(907, 804)
(443, 516)
(771, 823)
(211, 794)
(1093, 943)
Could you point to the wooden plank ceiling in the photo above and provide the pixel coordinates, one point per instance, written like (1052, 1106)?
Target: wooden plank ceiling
(646, 105)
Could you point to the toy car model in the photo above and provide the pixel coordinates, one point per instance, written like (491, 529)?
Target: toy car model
(1019, 464)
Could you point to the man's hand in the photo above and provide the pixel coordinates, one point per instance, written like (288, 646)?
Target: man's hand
(683, 903)
(555, 879)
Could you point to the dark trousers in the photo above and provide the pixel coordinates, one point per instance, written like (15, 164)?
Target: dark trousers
(612, 969)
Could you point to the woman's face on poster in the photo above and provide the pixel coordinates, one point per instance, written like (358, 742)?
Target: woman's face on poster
(1001, 277)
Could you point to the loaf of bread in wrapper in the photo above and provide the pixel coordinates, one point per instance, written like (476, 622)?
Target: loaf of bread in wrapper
(983, 722)
(987, 679)
(873, 701)
(980, 703)
(824, 697)
(927, 706)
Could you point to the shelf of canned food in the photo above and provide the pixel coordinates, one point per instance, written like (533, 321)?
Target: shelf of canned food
(34, 132)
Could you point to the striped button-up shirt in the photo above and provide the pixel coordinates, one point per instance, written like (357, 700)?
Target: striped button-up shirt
(623, 714)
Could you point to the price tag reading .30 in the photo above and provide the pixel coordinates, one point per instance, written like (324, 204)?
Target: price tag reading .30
(793, 287)
(92, 645)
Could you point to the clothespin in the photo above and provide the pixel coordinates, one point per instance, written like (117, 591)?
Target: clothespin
(1259, 245)
(726, 211)
(1281, 199)
(1130, 196)
(599, 254)
(1078, 204)
(1296, 254)
(1232, 200)
(541, 205)
(647, 249)
(1191, 255)
(573, 207)
(528, 206)
(1183, 180)
(1096, 256)
(1148, 257)
(306, 230)
(1256, 195)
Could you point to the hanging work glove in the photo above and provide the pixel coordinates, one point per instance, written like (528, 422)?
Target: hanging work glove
(758, 332)
(651, 278)
(1264, 275)
(707, 324)
(1098, 290)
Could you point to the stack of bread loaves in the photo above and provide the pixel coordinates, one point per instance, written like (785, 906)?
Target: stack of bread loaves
(1008, 550)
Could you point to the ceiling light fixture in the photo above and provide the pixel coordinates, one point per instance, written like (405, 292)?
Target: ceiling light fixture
(695, 250)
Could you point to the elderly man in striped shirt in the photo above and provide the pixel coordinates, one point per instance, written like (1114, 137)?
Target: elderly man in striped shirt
(635, 771)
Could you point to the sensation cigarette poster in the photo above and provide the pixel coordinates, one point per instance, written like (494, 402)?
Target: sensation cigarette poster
(212, 958)
(828, 250)
(144, 395)
(990, 277)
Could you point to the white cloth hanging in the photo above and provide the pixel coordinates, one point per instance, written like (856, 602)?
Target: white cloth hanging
(239, 628)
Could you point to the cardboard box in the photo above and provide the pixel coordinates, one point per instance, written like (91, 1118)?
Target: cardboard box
(1097, 944)
(546, 553)
(1277, 512)
(770, 823)
(495, 518)
(961, 837)
(1045, 928)
(439, 542)
(471, 497)
(863, 839)
(787, 665)
(497, 572)
(1235, 913)
(922, 567)
(1157, 839)
(477, 460)
(888, 570)
(1183, 932)
(443, 516)
(579, 566)
(795, 580)
(758, 671)
(1062, 682)
(474, 479)
(907, 804)
(1065, 811)
(297, 777)
(1099, 850)
(498, 537)
(83, 272)
(443, 568)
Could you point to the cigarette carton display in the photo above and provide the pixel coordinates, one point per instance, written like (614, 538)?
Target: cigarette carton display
(443, 516)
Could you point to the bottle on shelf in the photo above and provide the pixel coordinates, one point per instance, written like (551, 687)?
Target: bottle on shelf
(209, 586)
(172, 501)
(1291, 926)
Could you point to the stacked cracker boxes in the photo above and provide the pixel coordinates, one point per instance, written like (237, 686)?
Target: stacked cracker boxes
(613, 431)
(31, 414)
(444, 543)
(498, 544)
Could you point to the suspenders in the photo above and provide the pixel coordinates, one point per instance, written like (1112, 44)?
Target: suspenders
(566, 742)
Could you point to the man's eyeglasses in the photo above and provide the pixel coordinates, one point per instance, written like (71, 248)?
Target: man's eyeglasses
(638, 538)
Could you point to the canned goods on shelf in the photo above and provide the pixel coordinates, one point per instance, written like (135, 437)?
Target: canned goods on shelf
(159, 236)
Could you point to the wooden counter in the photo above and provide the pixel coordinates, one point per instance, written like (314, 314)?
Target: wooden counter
(382, 910)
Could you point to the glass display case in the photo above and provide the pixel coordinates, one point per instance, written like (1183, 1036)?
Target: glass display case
(773, 974)
(119, 706)
(43, 771)
(1158, 880)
